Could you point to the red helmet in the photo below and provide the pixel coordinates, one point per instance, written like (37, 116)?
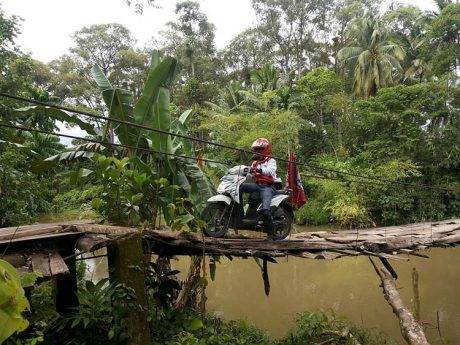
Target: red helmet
(262, 146)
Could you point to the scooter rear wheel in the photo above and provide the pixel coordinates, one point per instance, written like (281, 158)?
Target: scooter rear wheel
(216, 216)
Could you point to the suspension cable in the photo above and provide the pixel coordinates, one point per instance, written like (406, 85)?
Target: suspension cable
(242, 150)
(173, 154)
(110, 144)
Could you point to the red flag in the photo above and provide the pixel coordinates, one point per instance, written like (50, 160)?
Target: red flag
(293, 182)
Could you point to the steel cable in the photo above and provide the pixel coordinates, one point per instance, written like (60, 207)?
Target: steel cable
(242, 150)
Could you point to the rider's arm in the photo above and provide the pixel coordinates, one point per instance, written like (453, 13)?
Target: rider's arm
(269, 168)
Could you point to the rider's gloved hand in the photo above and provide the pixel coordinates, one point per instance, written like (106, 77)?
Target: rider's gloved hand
(258, 170)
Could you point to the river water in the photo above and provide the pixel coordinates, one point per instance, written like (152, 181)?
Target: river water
(348, 286)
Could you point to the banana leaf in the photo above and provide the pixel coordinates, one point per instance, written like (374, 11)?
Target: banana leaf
(158, 76)
(179, 126)
(119, 102)
(162, 120)
(57, 114)
(197, 184)
(101, 80)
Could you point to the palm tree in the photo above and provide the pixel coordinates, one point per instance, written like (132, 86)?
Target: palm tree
(265, 78)
(418, 68)
(374, 59)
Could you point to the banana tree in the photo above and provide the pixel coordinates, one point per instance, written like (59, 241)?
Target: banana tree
(152, 110)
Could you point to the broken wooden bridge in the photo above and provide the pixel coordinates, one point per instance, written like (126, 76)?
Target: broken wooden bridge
(52, 251)
(47, 247)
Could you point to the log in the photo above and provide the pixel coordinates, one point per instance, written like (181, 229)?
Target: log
(411, 330)
(90, 243)
(382, 242)
(104, 229)
(16, 259)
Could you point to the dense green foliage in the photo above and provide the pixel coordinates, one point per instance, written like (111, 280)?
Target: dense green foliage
(346, 89)
(318, 328)
(99, 320)
(349, 85)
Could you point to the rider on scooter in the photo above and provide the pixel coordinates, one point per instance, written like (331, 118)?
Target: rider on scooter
(263, 169)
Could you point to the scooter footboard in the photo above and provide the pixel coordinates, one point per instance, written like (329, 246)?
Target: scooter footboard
(278, 199)
(220, 198)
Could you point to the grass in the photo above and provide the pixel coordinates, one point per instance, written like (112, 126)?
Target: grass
(67, 215)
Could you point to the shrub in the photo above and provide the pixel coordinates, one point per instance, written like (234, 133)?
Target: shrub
(313, 213)
(323, 328)
(190, 328)
(76, 198)
(23, 194)
(99, 318)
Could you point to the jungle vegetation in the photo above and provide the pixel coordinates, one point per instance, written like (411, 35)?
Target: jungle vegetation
(346, 84)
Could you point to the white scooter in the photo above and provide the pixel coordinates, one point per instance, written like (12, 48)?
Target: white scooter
(223, 211)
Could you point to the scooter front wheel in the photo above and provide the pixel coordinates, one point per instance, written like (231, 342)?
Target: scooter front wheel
(216, 216)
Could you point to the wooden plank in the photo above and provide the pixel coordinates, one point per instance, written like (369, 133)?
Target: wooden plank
(38, 226)
(57, 265)
(41, 264)
(27, 232)
(41, 237)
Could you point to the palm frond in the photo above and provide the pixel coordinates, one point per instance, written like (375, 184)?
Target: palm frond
(348, 53)
(394, 50)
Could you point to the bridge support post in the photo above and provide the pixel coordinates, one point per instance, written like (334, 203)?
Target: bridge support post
(66, 284)
(127, 266)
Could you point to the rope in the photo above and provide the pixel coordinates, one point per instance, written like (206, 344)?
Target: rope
(220, 145)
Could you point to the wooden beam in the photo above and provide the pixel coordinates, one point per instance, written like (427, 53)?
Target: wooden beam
(411, 330)
(66, 284)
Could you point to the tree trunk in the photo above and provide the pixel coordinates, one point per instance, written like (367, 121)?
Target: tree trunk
(411, 330)
(127, 266)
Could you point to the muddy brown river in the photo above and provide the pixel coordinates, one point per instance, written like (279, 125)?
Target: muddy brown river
(348, 286)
